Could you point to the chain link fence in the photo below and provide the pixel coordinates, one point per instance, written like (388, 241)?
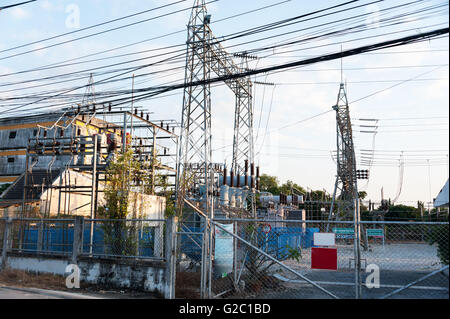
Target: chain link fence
(50, 236)
(406, 253)
(140, 238)
(189, 240)
(274, 259)
(2, 232)
(101, 238)
(257, 259)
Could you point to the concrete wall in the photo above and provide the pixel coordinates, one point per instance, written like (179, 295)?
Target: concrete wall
(140, 205)
(146, 206)
(70, 203)
(140, 275)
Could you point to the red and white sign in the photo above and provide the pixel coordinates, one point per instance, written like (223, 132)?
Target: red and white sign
(267, 228)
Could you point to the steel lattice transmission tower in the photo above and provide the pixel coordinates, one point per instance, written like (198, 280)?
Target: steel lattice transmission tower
(195, 172)
(243, 148)
(195, 140)
(205, 55)
(345, 194)
(89, 95)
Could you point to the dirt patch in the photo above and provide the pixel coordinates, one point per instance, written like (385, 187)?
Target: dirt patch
(187, 285)
(23, 279)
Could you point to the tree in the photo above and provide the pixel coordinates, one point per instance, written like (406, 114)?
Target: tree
(269, 184)
(120, 238)
(439, 236)
(272, 185)
(402, 212)
(319, 195)
(362, 195)
(120, 175)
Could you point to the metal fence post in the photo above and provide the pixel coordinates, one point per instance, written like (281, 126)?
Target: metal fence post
(40, 239)
(357, 251)
(170, 254)
(235, 260)
(77, 238)
(5, 243)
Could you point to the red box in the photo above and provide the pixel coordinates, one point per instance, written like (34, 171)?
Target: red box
(324, 258)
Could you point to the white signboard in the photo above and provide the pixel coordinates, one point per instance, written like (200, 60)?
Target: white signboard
(324, 239)
(223, 252)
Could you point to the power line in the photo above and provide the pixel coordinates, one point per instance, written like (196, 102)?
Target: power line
(359, 82)
(395, 85)
(371, 68)
(92, 26)
(368, 48)
(223, 39)
(164, 89)
(100, 32)
(15, 5)
(60, 64)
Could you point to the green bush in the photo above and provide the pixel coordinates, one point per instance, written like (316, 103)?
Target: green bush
(439, 236)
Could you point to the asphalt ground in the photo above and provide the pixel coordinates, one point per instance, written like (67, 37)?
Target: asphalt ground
(342, 285)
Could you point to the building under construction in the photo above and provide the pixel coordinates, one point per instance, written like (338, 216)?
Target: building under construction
(56, 164)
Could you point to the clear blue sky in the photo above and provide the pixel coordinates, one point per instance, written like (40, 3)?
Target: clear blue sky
(413, 116)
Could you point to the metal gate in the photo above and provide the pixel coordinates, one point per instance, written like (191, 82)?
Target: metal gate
(273, 259)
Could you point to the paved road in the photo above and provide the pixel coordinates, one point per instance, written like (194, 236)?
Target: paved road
(341, 284)
(7, 293)
(34, 293)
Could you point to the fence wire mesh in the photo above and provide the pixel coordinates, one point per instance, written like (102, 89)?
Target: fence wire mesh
(141, 238)
(52, 236)
(274, 259)
(2, 233)
(189, 240)
(405, 253)
(108, 238)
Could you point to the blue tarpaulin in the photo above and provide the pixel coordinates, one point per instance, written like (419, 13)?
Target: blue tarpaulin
(59, 239)
(275, 243)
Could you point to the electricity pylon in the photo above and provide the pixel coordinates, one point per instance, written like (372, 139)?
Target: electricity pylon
(195, 152)
(204, 56)
(89, 95)
(345, 195)
(243, 148)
